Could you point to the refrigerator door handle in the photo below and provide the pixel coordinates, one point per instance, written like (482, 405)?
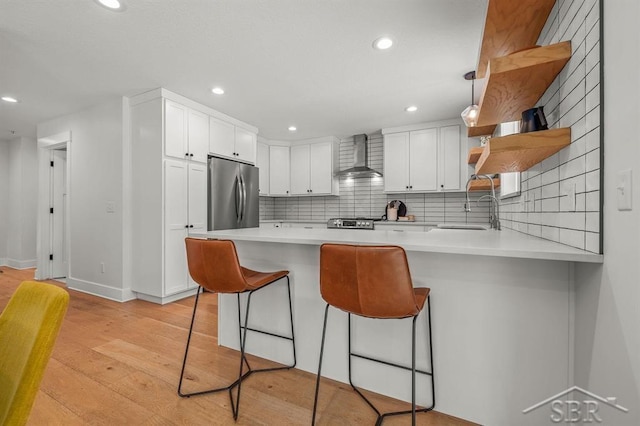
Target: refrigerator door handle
(238, 198)
(244, 199)
(241, 194)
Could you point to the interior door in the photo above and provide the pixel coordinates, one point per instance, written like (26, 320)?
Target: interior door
(58, 251)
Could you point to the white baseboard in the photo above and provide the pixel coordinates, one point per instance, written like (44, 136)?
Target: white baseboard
(101, 290)
(167, 299)
(17, 264)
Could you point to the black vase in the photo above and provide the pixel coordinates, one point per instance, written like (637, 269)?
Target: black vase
(533, 120)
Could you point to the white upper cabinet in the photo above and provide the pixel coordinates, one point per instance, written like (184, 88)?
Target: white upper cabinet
(300, 177)
(396, 162)
(262, 162)
(175, 130)
(228, 140)
(245, 145)
(450, 155)
(279, 179)
(425, 159)
(423, 156)
(198, 136)
(222, 138)
(186, 132)
(313, 167)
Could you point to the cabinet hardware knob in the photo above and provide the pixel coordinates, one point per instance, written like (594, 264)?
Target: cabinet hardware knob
(410, 186)
(186, 226)
(190, 155)
(190, 226)
(186, 154)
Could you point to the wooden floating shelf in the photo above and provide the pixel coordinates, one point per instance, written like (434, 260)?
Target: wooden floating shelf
(519, 152)
(483, 184)
(517, 81)
(511, 26)
(474, 132)
(474, 154)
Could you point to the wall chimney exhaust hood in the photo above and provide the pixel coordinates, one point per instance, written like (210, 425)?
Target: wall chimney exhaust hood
(360, 167)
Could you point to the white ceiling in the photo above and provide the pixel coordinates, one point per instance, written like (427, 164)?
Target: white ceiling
(308, 63)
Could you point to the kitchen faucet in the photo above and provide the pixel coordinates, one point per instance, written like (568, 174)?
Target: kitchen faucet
(494, 208)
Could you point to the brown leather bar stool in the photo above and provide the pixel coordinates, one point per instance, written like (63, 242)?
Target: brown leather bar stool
(214, 265)
(373, 282)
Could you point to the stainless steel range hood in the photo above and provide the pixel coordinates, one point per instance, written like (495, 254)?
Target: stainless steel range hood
(360, 167)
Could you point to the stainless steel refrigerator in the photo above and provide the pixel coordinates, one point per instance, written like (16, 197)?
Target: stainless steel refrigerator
(233, 195)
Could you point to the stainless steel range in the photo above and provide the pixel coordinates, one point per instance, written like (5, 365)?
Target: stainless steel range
(351, 223)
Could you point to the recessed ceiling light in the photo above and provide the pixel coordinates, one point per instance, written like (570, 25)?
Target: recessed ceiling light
(9, 99)
(382, 43)
(218, 90)
(411, 108)
(115, 5)
(292, 128)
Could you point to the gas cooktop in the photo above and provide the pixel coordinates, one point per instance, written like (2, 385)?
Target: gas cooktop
(351, 223)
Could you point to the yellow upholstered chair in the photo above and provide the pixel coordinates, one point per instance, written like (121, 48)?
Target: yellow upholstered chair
(29, 325)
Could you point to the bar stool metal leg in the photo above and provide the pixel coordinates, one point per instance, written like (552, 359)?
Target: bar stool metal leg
(413, 370)
(242, 330)
(315, 400)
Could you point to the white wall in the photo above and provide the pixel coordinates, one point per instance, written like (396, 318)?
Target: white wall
(607, 346)
(18, 195)
(4, 199)
(95, 158)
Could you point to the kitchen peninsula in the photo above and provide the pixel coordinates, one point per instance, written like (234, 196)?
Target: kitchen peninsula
(501, 309)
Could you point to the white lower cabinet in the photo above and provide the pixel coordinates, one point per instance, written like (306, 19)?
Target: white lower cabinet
(185, 211)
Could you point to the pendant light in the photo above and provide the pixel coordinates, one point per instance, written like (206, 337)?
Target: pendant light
(470, 113)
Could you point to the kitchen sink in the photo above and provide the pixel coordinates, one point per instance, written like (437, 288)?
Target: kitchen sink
(462, 226)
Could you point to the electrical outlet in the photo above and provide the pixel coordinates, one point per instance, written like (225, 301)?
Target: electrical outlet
(111, 207)
(624, 190)
(102, 267)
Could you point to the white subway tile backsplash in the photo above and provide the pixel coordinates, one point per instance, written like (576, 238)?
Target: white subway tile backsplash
(593, 222)
(572, 238)
(593, 139)
(572, 168)
(592, 242)
(550, 233)
(593, 160)
(592, 201)
(593, 98)
(592, 180)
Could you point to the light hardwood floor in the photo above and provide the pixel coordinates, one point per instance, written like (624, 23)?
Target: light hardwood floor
(119, 364)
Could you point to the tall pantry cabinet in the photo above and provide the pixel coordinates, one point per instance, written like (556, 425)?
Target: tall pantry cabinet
(169, 147)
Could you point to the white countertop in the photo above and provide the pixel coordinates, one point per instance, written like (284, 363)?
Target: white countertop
(504, 243)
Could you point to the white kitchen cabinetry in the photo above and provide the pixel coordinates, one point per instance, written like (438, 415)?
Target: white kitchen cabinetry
(185, 209)
(186, 132)
(423, 160)
(262, 162)
(230, 141)
(279, 160)
(313, 168)
(168, 191)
